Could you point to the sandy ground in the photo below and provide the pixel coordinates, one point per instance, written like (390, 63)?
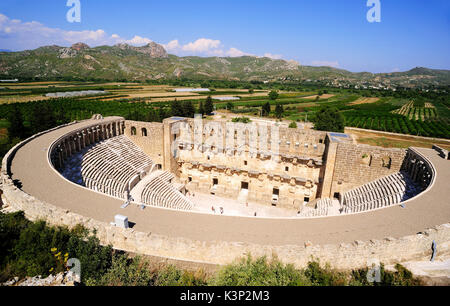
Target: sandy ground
(205, 203)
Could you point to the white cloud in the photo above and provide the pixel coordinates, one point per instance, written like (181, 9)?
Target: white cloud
(173, 45)
(84, 36)
(273, 56)
(334, 64)
(3, 19)
(18, 35)
(233, 52)
(138, 41)
(202, 45)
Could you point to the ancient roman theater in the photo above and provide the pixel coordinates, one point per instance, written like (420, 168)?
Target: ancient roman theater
(211, 191)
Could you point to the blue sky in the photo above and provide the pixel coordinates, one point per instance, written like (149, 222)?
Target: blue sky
(312, 32)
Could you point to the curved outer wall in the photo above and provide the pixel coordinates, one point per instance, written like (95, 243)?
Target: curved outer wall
(341, 256)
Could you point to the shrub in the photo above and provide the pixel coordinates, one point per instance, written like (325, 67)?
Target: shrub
(400, 277)
(27, 248)
(171, 276)
(125, 272)
(293, 125)
(241, 119)
(273, 95)
(319, 276)
(259, 272)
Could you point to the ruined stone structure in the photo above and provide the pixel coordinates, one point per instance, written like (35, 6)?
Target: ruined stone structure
(89, 169)
(63, 148)
(259, 163)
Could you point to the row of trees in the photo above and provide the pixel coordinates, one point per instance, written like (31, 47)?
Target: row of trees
(187, 108)
(401, 124)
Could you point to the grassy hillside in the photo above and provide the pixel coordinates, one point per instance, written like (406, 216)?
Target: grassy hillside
(124, 62)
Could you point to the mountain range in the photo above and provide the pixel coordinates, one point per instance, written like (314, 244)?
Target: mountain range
(125, 62)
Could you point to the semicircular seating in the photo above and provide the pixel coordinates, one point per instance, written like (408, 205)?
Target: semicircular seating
(110, 165)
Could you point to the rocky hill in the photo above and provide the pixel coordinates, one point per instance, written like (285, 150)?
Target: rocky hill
(125, 62)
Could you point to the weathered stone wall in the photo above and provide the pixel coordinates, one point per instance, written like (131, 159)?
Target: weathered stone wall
(149, 137)
(356, 165)
(343, 256)
(268, 158)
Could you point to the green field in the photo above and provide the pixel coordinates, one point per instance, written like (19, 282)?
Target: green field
(410, 112)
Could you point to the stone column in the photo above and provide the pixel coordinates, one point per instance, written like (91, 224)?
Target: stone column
(81, 140)
(59, 157)
(85, 138)
(91, 135)
(114, 129)
(78, 142)
(97, 133)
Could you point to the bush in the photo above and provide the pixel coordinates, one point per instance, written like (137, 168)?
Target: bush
(400, 277)
(125, 272)
(273, 95)
(241, 119)
(171, 276)
(324, 276)
(259, 272)
(27, 248)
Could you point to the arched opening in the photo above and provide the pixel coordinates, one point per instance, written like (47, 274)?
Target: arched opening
(386, 162)
(144, 132)
(133, 131)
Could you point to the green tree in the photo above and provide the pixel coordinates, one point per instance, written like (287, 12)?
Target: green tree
(273, 95)
(209, 106)
(201, 109)
(151, 116)
(176, 109)
(162, 114)
(266, 109)
(42, 117)
(16, 127)
(230, 106)
(279, 111)
(188, 109)
(328, 119)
